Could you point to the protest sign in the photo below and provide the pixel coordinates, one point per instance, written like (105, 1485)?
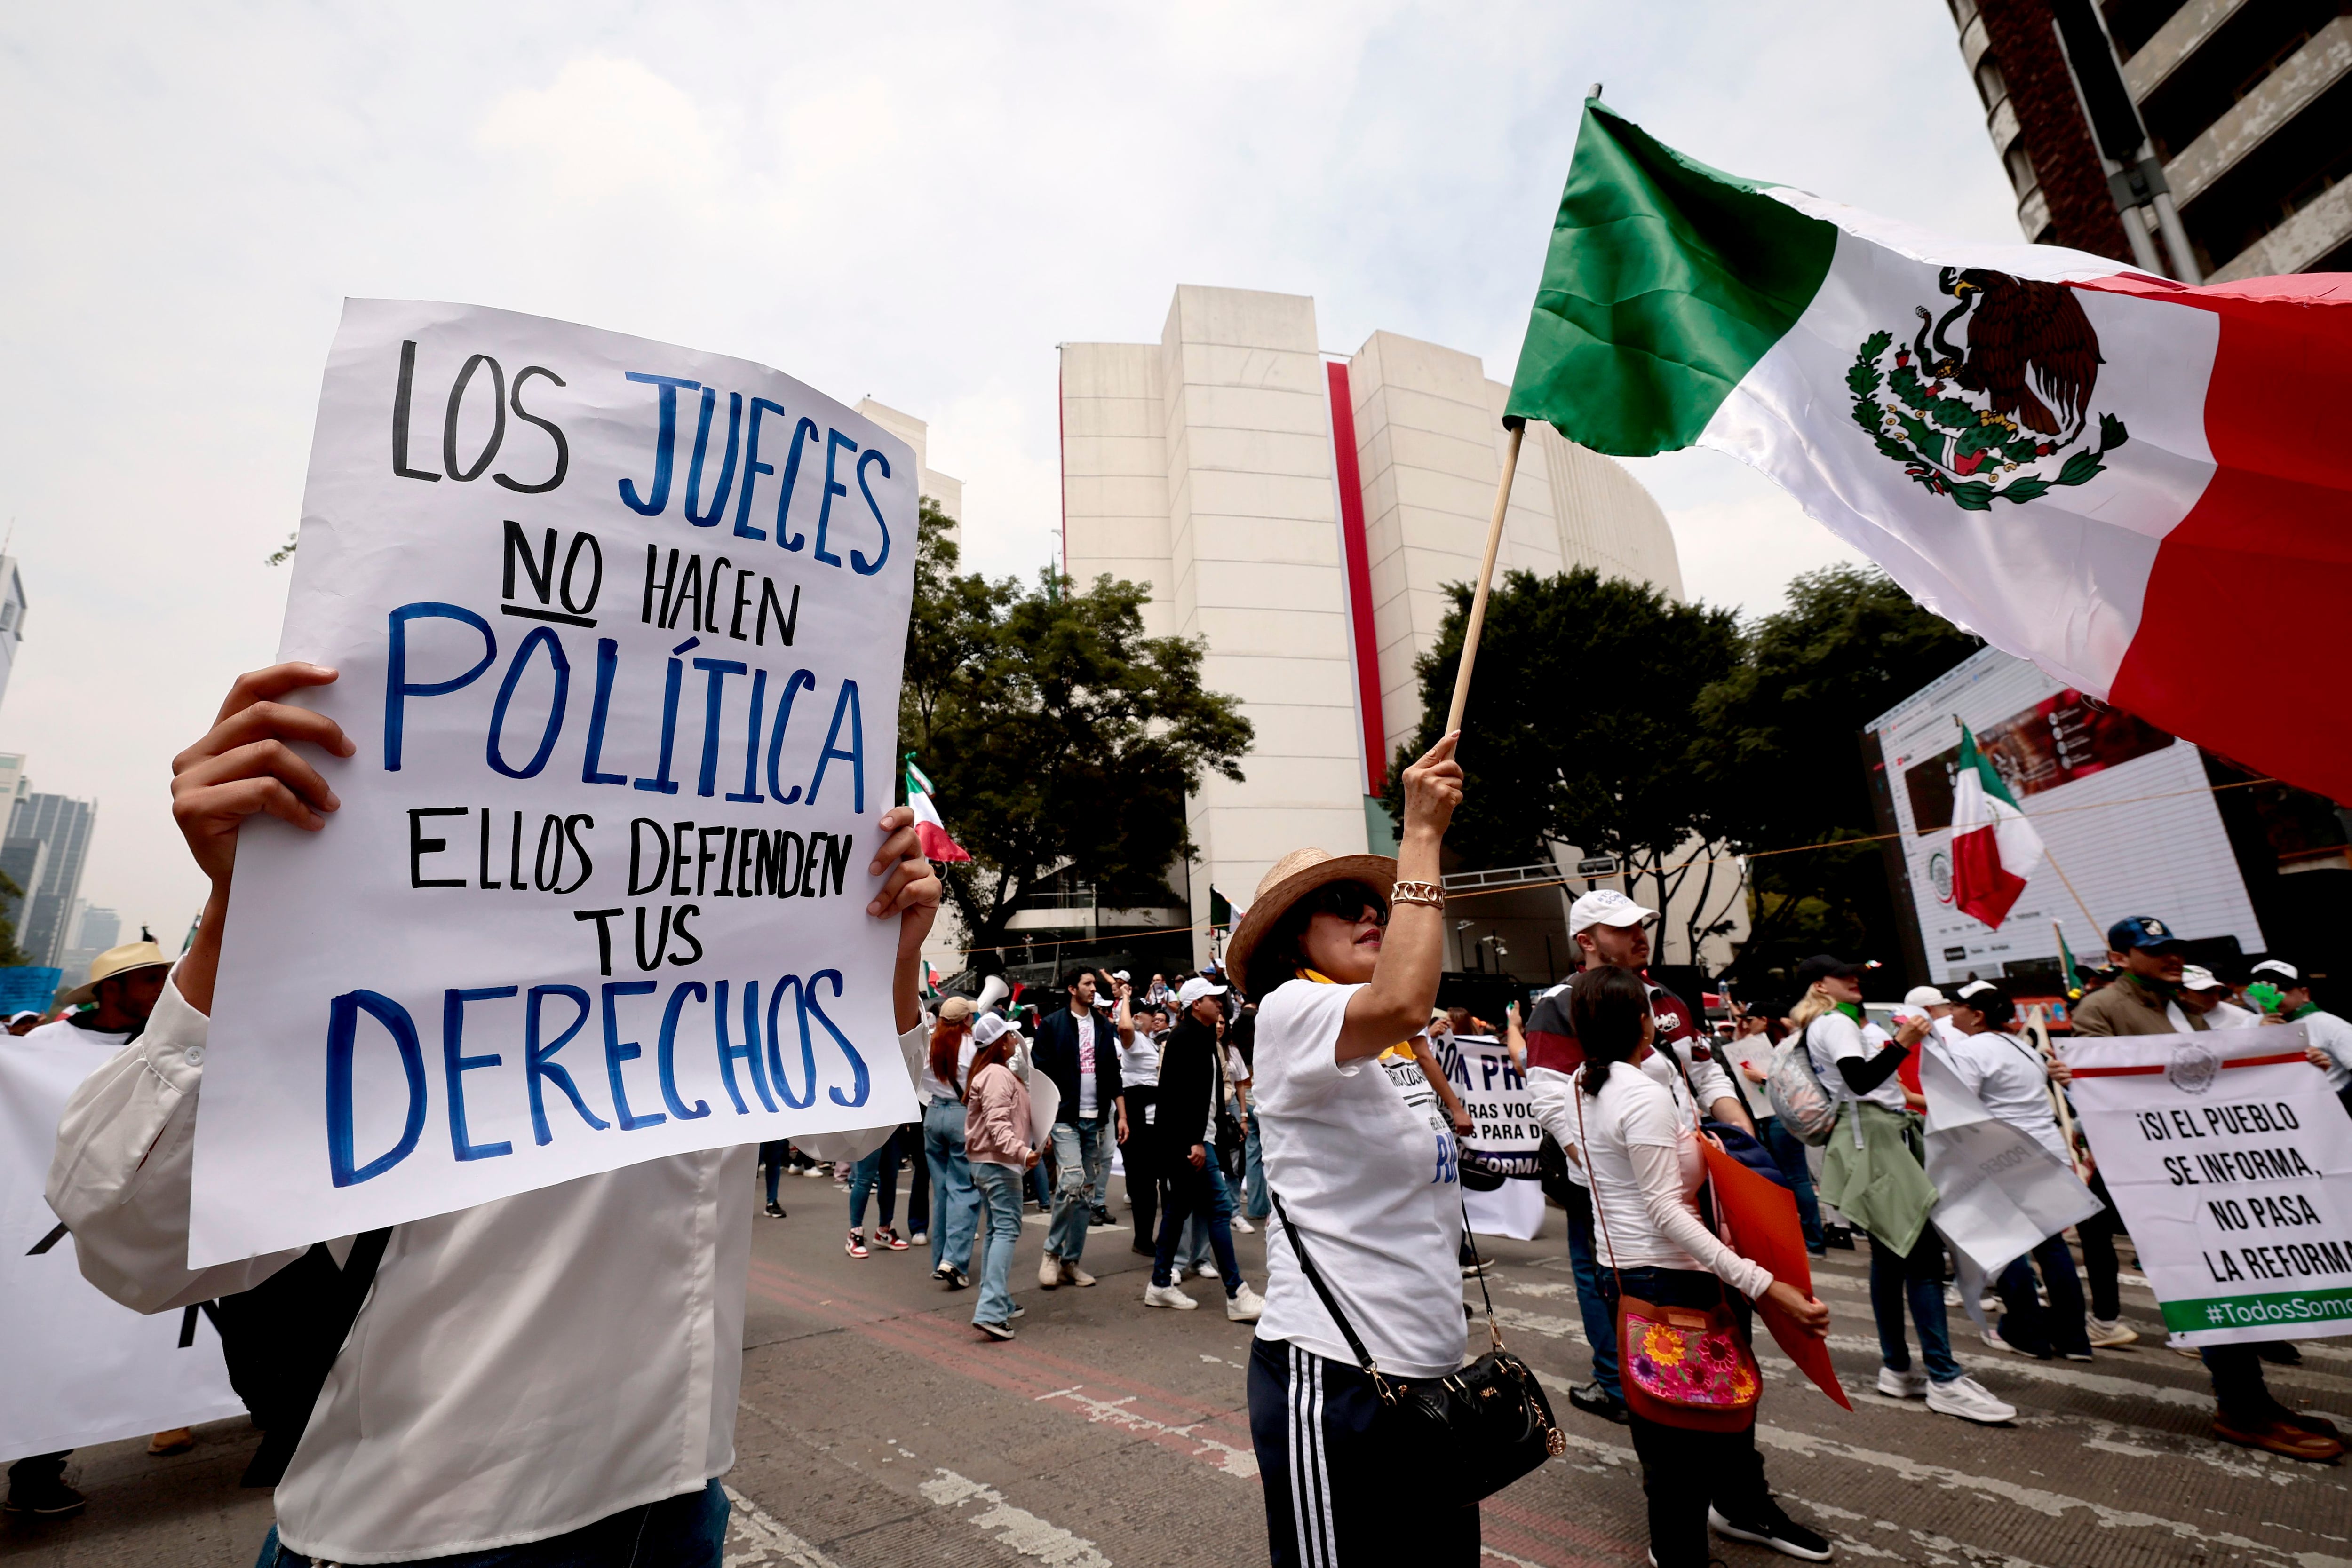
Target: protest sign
(79, 1368)
(1999, 1194)
(1760, 1218)
(2233, 1165)
(1504, 1135)
(33, 986)
(620, 628)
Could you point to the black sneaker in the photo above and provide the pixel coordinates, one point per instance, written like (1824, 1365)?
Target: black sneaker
(1099, 1216)
(2279, 1353)
(45, 1499)
(1780, 1532)
(775, 1210)
(1838, 1236)
(1595, 1400)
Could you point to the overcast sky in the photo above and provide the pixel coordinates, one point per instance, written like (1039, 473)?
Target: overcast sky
(918, 207)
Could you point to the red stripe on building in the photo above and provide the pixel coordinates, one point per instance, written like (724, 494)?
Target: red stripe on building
(1359, 579)
(2241, 641)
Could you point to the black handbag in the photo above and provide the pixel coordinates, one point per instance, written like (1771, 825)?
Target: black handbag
(1472, 1433)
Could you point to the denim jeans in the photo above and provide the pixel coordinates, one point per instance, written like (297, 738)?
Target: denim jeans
(1194, 1248)
(773, 1155)
(1081, 1151)
(1255, 1203)
(1592, 1304)
(1918, 1277)
(1191, 1192)
(1000, 1196)
(2025, 1323)
(955, 1203)
(682, 1531)
(1788, 1153)
(880, 1169)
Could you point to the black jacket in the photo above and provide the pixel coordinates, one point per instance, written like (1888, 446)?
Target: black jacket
(1189, 1090)
(1057, 1058)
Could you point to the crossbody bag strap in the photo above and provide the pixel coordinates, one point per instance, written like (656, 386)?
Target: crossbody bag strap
(1330, 1303)
(1494, 1329)
(1584, 1141)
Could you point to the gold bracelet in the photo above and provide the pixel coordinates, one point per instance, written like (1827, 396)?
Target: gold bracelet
(1428, 894)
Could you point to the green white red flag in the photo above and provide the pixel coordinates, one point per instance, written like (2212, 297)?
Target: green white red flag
(1994, 849)
(928, 828)
(2144, 488)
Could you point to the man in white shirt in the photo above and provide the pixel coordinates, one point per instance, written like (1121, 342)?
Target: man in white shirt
(484, 1421)
(2328, 1038)
(2204, 994)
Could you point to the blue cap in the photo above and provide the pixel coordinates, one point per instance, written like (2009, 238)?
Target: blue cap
(2141, 931)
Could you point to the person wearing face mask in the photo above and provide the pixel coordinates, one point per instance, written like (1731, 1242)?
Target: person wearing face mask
(1873, 1171)
(1343, 954)
(997, 1145)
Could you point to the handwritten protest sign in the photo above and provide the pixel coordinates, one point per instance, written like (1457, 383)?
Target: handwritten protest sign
(1504, 1135)
(75, 1367)
(2233, 1165)
(1999, 1194)
(620, 628)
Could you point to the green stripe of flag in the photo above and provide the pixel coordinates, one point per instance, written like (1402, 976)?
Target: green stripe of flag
(1666, 282)
(1973, 760)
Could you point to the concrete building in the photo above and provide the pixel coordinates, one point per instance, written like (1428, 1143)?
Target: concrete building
(12, 618)
(2246, 107)
(95, 929)
(942, 488)
(1302, 512)
(62, 825)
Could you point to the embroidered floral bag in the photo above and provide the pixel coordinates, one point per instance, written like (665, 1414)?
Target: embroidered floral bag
(1688, 1367)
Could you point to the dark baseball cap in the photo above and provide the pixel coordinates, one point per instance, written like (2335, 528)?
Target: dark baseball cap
(1820, 966)
(2141, 931)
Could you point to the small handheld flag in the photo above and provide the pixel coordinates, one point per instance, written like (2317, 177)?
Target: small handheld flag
(937, 844)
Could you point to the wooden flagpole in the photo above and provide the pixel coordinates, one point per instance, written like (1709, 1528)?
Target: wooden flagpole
(1519, 428)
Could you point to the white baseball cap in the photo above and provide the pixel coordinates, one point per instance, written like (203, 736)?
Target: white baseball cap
(1606, 907)
(1925, 996)
(1973, 989)
(2280, 967)
(1195, 989)
(2198, 977)
(990, 1028)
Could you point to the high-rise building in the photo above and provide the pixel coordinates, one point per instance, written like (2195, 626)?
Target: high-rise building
(933, 485)
(12, 618)
(100, 929)
(2238, 113)
(63, 826)
(1301, 512)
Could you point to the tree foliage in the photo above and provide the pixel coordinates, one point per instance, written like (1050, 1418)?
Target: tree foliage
(1579, 727)
(1057, 734)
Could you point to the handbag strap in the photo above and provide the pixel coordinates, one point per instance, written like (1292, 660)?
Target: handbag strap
(1330, 1303)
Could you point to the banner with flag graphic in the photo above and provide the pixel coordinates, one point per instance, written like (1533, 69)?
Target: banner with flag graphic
(937, 843)
(2104, 471)
(1994, 848)
(1999, 1194)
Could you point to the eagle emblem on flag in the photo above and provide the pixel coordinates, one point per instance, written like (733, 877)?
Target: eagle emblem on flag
(2003, 417)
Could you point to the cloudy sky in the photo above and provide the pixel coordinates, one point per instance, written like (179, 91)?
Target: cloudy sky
(917, 207)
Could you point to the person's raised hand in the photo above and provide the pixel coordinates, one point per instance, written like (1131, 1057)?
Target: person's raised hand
(1913, 1029)
(1809, 1315)
(247, 763)
(1432, 788)
(912, 892)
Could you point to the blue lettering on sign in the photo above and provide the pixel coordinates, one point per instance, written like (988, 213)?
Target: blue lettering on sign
(342, 1035)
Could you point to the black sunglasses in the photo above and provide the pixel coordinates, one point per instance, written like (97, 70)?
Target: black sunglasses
(1348, 900)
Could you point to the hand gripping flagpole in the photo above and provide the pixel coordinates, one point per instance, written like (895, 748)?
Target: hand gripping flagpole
(1519, 428)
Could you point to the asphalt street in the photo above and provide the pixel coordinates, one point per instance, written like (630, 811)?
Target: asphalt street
(878, 1429)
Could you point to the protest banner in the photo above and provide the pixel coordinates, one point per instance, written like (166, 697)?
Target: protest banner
(1999, 1194)
(77, 1367)
(32, 986)
(620, 628)
(1759, 1221)
(2233, 1165)
(1504, 1135)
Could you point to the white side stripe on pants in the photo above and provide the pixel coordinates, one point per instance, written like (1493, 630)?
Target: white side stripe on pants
(1310, 1480)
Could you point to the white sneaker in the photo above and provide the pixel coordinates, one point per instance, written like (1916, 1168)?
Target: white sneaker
(2179, 1345)
(1970, 1400)
(1207, 1271)
(1992, 1338)
(2108, 1333)
(1244, 1305)
(1951, 1294)
(1168, 1296)
(1911, 1384)
(919, 1239)
(1073, 1275)
(1242, 1227)
(1049, 1272)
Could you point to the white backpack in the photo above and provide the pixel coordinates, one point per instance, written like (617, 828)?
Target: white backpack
(1802, 1101)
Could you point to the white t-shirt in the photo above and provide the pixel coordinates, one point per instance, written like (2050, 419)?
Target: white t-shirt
(2325, 1030)
(2229, 1015)
(1139, 1062)
(1366, 1164)
(932, 1089)
(63, 1031)
(1831, 1038)
(1649, 1107)
(1086, 1022)
(2007, 1075)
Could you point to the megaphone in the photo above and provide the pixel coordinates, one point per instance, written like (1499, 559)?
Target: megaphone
(993, 992)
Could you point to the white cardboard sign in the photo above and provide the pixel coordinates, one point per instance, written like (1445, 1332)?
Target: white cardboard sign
(1504, 1132)
(1999, 1194)
(79, 1368)
(2232, 1163)
(620, 628)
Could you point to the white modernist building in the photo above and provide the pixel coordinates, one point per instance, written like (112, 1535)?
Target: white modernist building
(1302, 512)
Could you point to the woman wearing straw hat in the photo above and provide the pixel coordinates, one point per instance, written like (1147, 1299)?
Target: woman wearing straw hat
(1343, 954)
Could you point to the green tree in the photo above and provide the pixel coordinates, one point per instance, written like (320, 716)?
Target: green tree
(11, 956)
(1782, 757)
(1579, 727)
(1057, 734)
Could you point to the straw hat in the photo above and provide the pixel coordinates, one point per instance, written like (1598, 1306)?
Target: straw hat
(112, 962)
(1293, 876)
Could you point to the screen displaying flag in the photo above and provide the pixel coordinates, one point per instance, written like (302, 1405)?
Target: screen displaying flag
(2112, 475)
(937, 844)
(1994, 848)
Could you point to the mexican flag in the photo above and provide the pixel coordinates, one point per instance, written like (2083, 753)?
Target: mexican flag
(2144, 488)
(937, 844)
(1994, 848)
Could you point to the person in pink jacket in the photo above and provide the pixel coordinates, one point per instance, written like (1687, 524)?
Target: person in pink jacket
(996, 1142)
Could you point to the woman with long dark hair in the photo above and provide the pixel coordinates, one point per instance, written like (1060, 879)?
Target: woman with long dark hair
(1638, 1132)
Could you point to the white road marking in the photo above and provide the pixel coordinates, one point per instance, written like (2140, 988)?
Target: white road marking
(1238, 1462)
(1017, 1528)
(756, 1540)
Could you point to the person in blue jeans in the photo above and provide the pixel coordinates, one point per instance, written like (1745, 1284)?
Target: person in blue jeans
(877, 1170)
(773, 1157)
(1077, 1048)
(955, 1203)
(996, 1143)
